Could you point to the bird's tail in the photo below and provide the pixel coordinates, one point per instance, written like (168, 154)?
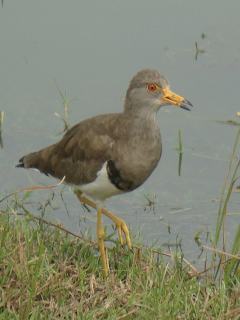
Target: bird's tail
(29, 161)
(20, 164)
(40, 160)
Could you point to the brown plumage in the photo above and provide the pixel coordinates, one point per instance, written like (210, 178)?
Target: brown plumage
(88, 145)
(113, 153)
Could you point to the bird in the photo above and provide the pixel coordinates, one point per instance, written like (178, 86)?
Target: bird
(111, 154)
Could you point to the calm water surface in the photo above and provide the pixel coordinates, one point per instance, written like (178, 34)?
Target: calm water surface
(90, 50)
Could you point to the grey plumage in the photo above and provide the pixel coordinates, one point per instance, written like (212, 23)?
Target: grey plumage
(113, 153)
(129, 141)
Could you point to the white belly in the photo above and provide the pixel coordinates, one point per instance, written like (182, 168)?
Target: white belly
(101, 188)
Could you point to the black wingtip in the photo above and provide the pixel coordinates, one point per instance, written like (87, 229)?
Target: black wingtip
(20, 164)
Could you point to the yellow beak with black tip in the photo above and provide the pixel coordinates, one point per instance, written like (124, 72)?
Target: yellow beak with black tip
(176, 100)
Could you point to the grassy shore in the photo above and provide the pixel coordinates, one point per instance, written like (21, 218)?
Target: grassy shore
(46, 273)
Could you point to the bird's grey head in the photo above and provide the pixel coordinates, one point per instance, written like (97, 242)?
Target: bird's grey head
(149, 90)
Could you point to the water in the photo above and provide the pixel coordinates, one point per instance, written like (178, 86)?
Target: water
(90, 51)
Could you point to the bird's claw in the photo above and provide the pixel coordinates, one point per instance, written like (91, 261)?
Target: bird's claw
(122, 229)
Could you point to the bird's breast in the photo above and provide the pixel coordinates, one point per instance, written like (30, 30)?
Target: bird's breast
(135, 158)
(102, 187)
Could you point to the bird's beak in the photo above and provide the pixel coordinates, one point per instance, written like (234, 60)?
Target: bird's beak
(176, 100)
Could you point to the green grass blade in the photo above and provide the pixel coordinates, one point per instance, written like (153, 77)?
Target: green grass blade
(227, 189)
(180, 152)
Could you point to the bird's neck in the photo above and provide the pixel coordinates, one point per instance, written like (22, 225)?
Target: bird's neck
(143, 114)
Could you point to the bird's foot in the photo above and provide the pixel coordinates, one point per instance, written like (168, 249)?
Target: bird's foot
(122, 228)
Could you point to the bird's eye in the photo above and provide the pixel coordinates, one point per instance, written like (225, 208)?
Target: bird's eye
(152, 87)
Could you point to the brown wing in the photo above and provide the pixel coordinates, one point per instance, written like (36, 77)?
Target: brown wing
(81, 152)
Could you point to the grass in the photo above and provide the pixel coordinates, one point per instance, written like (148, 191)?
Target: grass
(199, 51)
(46, 273)
(232, 267)
(180, 152)
(66, 106)
(1, 125)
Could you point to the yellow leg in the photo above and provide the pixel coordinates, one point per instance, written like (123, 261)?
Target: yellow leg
(100, 237)
(120, 224)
